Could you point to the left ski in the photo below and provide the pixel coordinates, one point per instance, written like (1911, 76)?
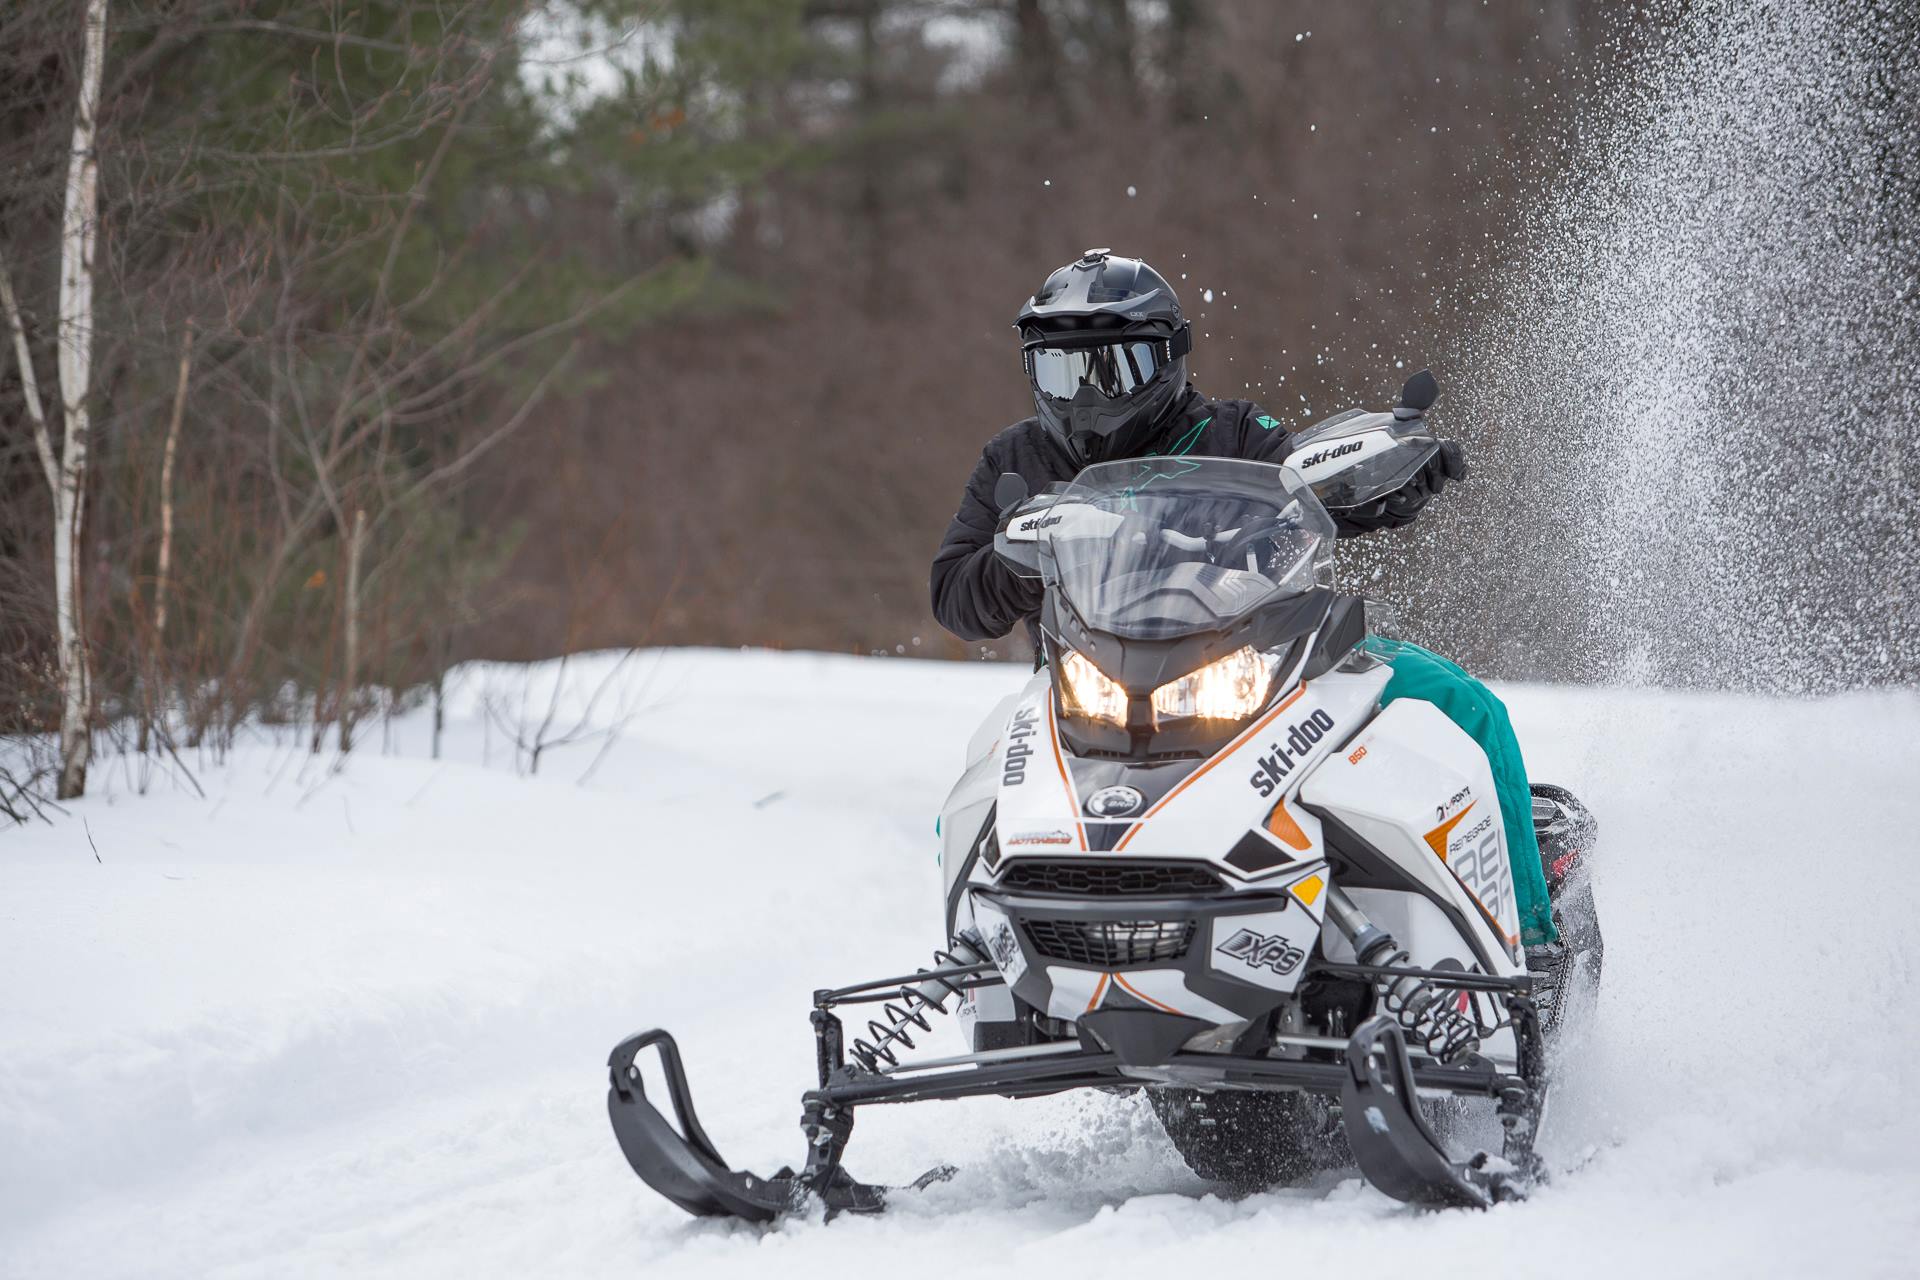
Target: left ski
(683, 1165)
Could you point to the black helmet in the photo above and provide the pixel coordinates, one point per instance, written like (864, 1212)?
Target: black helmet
(1105, 346)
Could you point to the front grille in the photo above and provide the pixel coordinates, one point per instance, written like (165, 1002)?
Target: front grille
(1111, 944)
(1110, 879)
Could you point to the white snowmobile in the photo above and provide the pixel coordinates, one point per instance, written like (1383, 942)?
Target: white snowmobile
(1196, 856)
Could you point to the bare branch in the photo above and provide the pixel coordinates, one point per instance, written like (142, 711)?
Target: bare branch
(513, 423)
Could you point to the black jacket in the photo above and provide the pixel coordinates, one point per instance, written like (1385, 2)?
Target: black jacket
(975, 595)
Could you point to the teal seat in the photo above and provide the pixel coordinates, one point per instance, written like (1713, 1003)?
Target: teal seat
(1421, 673)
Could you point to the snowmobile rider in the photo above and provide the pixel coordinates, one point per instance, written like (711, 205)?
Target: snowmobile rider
(1105, 346)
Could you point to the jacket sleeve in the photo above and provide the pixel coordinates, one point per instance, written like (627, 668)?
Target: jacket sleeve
(976, 595)
(1264, 438)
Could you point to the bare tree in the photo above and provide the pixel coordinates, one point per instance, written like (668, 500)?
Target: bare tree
(350, 666)
(67, 473)
(163, 564)
(78, 233)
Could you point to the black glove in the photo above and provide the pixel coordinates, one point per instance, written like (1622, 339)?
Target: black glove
(1020, 559)
(1400, 507)
(1018, 587)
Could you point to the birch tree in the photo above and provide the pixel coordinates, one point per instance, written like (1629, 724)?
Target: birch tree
(67, 473)
(78, 229)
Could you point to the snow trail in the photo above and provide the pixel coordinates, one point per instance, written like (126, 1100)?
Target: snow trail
(356, 1024)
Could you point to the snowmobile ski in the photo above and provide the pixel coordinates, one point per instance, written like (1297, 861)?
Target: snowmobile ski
(1392, 1142)
(684, 1166)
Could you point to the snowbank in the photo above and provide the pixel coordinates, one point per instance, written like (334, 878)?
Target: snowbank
(326, 1022)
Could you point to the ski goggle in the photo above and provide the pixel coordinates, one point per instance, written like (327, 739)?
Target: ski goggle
(1114, 370)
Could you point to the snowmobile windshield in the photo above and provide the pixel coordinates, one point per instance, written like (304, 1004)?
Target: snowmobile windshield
(1151, 548)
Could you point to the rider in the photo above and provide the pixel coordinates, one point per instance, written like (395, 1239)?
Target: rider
(1105, 346)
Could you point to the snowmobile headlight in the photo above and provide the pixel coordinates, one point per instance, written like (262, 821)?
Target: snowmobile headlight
(1086, 691)
(1232, 688)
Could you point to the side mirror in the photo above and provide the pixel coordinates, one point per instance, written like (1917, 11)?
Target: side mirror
(1421, 390)
(1009, 491)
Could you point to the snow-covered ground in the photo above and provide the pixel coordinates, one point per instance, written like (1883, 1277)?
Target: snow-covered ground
(356, 1022)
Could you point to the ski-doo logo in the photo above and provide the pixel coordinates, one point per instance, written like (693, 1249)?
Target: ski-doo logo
(1283, 757)
(1033, 524)
(1328, 455)
(1013, 770)
(1256, 950)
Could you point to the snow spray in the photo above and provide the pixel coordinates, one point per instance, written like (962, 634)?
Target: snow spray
(1698, 415)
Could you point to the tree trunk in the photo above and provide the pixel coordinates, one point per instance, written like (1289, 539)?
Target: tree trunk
(1184, 22)
(350, 665)
(872, 211)
(1039, 59)
(166, 487)
(164, 562)
(78, 229)
(443, 650)
(1116, 40)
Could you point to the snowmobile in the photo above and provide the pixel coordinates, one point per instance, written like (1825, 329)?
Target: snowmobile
(1196, 856)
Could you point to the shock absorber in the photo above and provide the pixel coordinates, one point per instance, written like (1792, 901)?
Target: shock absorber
(1420, 1008)
(909, 1009)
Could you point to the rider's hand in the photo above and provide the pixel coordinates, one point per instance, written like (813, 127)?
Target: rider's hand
(1020, 557)
(1399, 508)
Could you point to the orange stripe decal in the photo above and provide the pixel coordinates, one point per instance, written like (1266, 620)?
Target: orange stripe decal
(1098, 991)
(1066, 779)
(1140, 995)
(1220, 755)
(1437, 837)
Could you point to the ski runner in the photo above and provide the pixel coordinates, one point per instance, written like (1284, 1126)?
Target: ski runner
(1105, 346)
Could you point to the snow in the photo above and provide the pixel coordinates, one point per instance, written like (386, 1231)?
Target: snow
(355, 1022)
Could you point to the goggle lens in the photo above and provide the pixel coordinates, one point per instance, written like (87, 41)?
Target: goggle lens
(1115, 370)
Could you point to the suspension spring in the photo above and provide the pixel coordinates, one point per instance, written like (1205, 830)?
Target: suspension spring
(1423, 1011)
(1420, 1007)
(908, 1009)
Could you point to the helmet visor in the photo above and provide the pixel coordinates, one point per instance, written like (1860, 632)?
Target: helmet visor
(1114, 370)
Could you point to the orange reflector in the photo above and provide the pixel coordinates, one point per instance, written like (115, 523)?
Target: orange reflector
(1286, 830)
(1308, 890)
